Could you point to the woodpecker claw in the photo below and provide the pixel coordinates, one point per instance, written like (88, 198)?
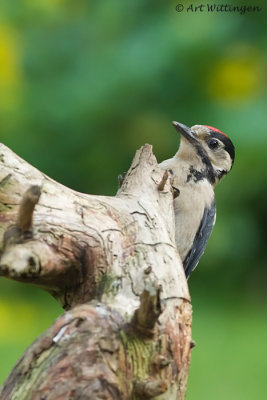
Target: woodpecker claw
(161, 185)
(175, 191)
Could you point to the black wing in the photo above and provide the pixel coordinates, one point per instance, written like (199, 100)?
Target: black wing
(201, 239)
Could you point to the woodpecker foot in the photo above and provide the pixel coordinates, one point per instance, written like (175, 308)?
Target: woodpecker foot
(164, 179)
(175, 191)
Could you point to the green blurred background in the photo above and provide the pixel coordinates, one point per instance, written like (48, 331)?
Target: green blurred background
(83, 84)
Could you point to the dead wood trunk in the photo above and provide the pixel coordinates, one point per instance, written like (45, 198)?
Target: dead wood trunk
(113, 265)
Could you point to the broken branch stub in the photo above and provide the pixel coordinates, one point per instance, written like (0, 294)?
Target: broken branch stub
(104, 250)
(145, 317)
(25, 213)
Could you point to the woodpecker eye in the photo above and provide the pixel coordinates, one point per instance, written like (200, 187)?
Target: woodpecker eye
(213, 143)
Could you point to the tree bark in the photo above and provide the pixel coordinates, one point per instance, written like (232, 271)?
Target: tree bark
(113, 265)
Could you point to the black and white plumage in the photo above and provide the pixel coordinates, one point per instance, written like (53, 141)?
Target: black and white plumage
(204, 157)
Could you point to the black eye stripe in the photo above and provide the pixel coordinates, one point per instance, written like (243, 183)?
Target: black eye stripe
(228, 145)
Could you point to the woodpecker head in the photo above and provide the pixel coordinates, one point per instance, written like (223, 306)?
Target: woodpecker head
(208, 149)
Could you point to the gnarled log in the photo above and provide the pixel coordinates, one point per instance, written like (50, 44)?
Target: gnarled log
(113, 265)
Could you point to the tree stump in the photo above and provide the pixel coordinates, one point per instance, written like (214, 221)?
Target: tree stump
(112, 263)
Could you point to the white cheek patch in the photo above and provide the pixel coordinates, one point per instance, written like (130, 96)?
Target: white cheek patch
(221, 161)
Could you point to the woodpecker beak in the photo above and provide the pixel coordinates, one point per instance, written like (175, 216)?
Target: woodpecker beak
(186, 132)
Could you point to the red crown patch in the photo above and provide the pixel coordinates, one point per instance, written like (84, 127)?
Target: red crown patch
(216, 130)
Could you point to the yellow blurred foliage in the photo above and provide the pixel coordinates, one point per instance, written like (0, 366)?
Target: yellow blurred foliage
(14, 315)
(10, 72)
(236, 79)
(8, 58)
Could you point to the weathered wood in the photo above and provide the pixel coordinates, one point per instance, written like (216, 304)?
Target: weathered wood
(118, 255)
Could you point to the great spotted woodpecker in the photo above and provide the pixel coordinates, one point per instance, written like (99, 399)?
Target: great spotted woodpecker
(204, 157)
